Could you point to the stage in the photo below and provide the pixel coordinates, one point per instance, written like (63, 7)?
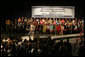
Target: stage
(54, 37)
(61, 36)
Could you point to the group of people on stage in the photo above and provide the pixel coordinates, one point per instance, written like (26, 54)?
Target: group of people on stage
(46, 25)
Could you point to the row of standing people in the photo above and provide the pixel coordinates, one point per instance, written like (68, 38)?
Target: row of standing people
(45, 25)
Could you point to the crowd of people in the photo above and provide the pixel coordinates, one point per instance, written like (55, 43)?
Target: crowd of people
(37, 47)
(45, 25)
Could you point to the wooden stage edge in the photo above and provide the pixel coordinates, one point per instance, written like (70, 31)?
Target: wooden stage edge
(61, 36)
(54, 36)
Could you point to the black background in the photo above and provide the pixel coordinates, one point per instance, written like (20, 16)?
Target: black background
(16, 8)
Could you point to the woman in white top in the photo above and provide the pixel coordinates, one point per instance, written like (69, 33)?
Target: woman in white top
(32, 28)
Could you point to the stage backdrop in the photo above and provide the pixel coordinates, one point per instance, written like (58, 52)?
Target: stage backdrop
(53, 11)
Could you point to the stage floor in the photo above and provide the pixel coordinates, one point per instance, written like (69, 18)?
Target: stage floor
(61, 36)
(53, 36)
(72, 37)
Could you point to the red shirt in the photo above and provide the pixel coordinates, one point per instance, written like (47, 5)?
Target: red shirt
(63, 20)
(35, 23)
(58, 28)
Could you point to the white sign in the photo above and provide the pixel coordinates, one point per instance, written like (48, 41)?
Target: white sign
(53, 11)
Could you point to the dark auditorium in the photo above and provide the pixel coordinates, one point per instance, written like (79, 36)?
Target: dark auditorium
(42, 28)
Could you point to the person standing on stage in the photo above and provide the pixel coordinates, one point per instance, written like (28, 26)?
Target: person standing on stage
(63, 21)
(46, 20)
(56, 20)
(41, 28)
(37, 20)
(35, 24)
(58, 28)
(19, 24)
(54, 25)
(51, 28)
(73, 21)
(7, 25)
(12, 26)
(32, 29)
(82, 21)
(31, 20)
(41, 22)
(48, 29)
(22, 21)
(19, 20)
(27, 28)
(25, 22)
(44, 28)
(62, 28)
(28, 21)
(50, 21)
(15, 23)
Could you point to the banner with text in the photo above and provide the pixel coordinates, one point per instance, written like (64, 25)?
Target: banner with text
(53, 11)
